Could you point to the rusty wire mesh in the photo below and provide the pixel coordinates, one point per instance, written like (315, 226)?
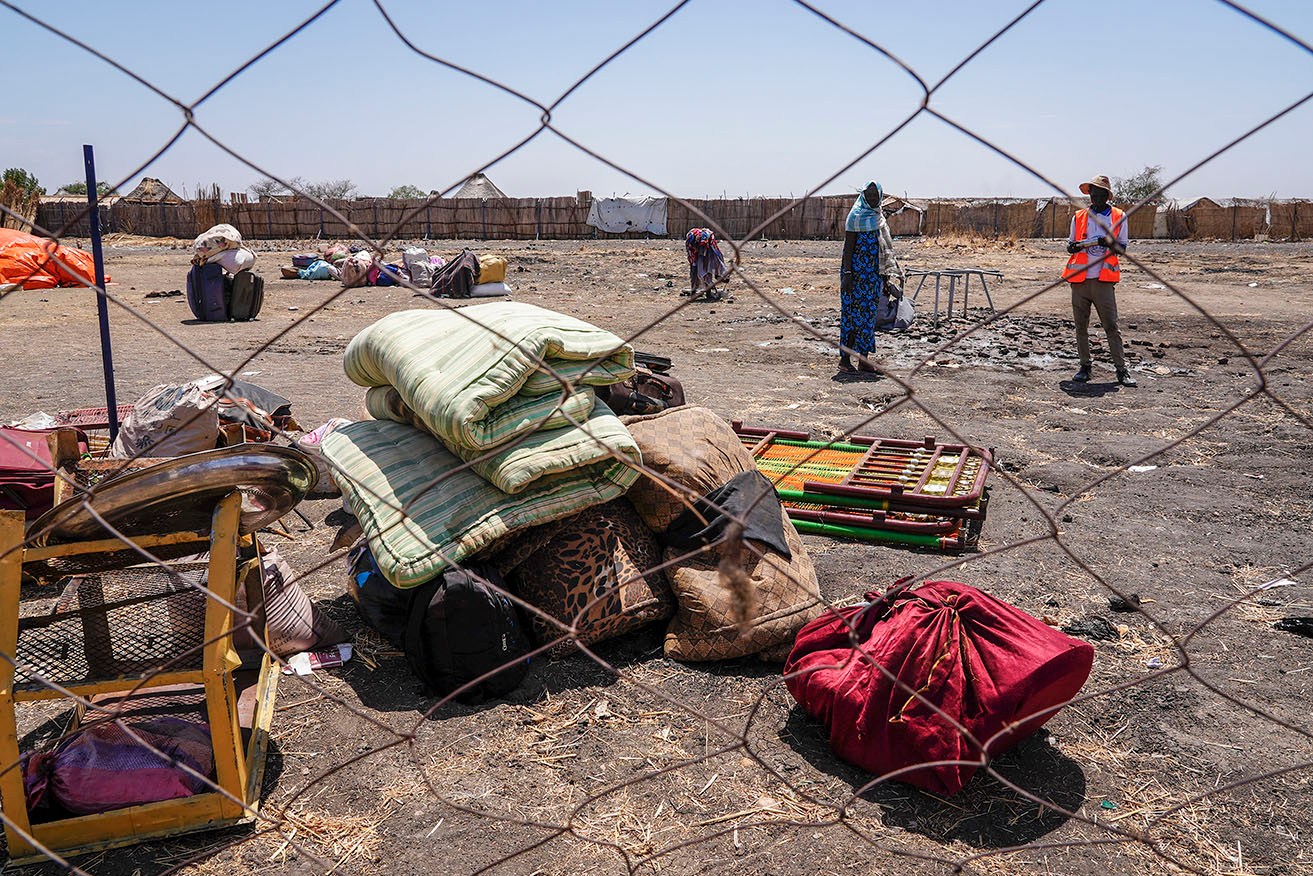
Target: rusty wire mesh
(667, 736)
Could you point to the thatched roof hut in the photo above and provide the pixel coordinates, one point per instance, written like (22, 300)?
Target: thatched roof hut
(151, 191)
(479, 186)
(904, 217)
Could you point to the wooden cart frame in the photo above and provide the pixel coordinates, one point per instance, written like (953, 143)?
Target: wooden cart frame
(238, 772)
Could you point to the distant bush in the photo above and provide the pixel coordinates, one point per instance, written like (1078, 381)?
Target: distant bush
(1141, 186)
(80, 188)
(407, 192)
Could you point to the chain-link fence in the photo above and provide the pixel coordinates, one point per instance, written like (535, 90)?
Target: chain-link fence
(1166, 526)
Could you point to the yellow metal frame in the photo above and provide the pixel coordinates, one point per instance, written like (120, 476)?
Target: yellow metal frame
(238, 774)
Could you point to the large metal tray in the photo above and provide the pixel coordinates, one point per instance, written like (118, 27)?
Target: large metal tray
(180, 494)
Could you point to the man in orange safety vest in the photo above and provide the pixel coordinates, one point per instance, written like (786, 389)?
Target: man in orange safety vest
(1098, 235)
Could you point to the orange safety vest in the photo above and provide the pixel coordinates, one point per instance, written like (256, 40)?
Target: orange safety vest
(1109, 272)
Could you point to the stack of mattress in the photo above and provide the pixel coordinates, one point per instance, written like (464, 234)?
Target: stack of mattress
(485, 424)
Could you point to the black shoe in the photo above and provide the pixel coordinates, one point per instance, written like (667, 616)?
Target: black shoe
(1125, 379)
(1081, 376)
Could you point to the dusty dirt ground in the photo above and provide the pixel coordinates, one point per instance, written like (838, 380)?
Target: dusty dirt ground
(629, 773)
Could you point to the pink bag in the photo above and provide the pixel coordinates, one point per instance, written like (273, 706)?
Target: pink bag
(27, 483)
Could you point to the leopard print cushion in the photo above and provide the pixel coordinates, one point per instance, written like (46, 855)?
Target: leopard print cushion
(591, 569)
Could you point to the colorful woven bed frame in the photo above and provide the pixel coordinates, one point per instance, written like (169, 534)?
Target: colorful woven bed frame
(923, 494)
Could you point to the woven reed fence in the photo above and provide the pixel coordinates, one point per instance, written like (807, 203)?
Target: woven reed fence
(1207, 220)
(564, 218)
(1290, 220)
(1054, 220)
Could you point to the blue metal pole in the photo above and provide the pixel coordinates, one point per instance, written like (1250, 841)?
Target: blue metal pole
(102, 303)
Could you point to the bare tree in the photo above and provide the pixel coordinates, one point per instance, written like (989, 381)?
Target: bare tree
(267, 188)
(337, 189)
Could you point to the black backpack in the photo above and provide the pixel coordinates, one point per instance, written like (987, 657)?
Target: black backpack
(460, 628)
(386, 609)
(246, 297)
(645, 393)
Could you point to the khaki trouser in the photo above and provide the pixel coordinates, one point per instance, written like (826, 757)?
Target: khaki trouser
(1102, 296)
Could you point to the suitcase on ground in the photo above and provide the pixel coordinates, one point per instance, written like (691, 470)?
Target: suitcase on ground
(207, 293)
(247, 296)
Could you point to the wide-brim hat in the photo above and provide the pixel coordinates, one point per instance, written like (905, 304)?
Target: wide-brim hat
(1099, 181)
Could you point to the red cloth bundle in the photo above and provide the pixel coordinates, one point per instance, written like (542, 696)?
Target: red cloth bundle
(990, 667)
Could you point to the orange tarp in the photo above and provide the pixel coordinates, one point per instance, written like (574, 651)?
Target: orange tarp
(38, 263)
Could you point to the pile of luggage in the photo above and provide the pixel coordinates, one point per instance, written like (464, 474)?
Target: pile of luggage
(221, 285)
(506, 509)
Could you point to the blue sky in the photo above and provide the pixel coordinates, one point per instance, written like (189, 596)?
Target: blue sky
(727, 97)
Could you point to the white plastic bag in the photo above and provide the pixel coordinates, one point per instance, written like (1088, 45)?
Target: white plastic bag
(169, 421)
(418, 266)
(906, 313)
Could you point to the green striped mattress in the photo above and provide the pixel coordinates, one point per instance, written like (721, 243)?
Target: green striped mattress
(473, 376)
(450, 513)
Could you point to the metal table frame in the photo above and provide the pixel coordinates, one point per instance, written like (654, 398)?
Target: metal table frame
(953, 274)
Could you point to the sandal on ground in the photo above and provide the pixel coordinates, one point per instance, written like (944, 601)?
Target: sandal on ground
(847, 368)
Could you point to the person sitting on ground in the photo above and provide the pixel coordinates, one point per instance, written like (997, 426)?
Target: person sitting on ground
(868, 271)
(1098, 234)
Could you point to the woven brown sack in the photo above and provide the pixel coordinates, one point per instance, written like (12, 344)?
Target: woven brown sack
(603, 552)
(690, 446)
(781, 595)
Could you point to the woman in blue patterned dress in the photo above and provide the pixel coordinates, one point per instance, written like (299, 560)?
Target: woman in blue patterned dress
(869, 270)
